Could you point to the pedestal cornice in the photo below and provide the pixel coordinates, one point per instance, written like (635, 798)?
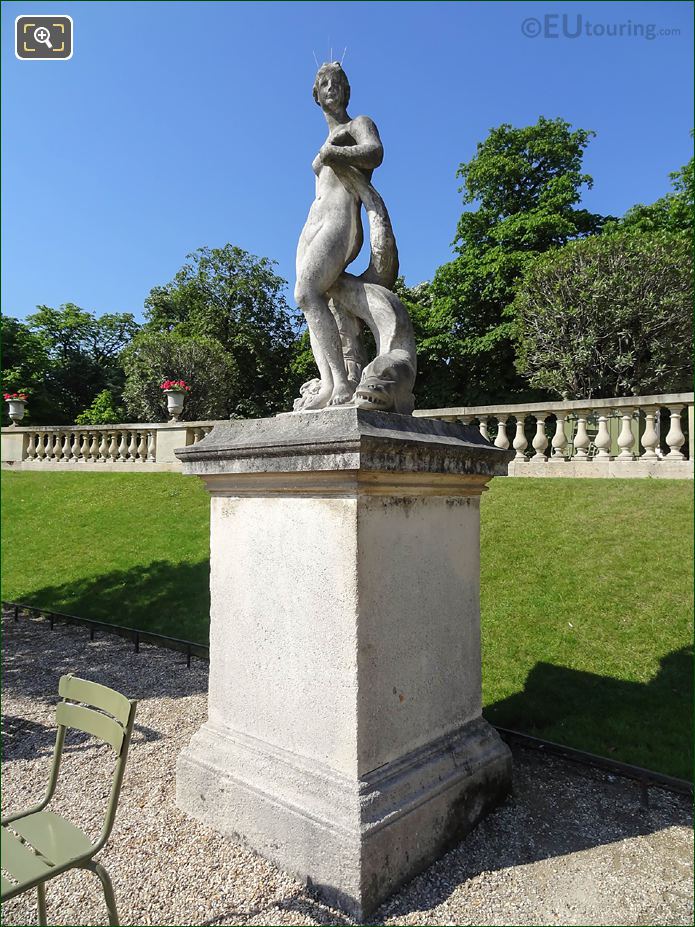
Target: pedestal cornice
(344, 450)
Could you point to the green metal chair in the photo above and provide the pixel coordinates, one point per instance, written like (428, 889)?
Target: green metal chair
(38, 845)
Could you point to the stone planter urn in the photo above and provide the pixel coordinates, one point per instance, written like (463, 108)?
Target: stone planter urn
(175, 400)
(16, 410)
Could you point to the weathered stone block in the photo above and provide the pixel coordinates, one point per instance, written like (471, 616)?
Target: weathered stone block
(344, 738)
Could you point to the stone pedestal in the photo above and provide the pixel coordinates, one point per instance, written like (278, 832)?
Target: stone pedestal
(344, 739)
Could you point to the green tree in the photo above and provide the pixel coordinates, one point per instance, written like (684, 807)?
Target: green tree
(671, 213)
(235, 298)
(526, 184)
(25, 364)
(203, 363)
(83, 355)
(608, 316)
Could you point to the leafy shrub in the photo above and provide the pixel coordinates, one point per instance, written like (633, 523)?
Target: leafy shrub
(203, 363)
(609, 315)
(103, 411)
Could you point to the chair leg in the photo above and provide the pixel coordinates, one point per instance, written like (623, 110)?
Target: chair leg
(41, 892)
(109, 896)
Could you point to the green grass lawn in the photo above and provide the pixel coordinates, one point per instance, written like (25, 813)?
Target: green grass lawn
(586, 591)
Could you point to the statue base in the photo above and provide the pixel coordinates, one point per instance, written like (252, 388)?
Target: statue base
(345, 740)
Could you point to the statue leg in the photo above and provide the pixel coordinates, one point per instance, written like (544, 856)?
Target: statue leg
(325, 336)
(322, 364)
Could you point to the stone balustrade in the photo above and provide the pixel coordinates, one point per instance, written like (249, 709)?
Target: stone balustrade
(637, 436)
(144, 447)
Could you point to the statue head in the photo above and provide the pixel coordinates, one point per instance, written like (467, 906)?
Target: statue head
(331, 86)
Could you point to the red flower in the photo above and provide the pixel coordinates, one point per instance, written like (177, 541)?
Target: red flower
(178, 385)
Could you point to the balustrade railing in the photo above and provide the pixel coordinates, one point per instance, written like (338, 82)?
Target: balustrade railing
(88, 446)
(635, 436)
(99, 446)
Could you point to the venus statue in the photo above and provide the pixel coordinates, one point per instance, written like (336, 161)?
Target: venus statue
(344, 737)
(337, 304)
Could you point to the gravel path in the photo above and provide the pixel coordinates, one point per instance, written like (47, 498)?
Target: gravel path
(572, 846)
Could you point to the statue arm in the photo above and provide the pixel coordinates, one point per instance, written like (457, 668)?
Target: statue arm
(367, 153)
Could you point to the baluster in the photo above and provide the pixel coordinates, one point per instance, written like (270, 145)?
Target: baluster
(540, 440)
(50, 445)
(67, 449)
(40, 446)
(151, 446)
(32, 441)
(84, 446)
(142, 447)
(123, 446)
(104, 446)
(501, 439)
(132, 445)
(58, 446)
(603, 437)
(520, 443)
(482, 425)
(75, 449)
(94, 446)
(113, 446)
(198, 435)
(675, 437)
(626, 438)
(559, 442)
(582, 441)
(650, 438)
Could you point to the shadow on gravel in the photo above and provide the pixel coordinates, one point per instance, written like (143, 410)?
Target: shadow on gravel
(27, 740)
(164, 597)
(649, 725)
(557, 808)
(35, 657)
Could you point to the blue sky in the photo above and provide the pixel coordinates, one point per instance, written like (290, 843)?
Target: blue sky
(181, 124)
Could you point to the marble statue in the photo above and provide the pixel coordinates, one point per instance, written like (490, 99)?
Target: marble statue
(336, 304)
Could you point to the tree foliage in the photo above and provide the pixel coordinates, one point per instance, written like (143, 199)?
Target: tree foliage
(65, 357)
(25, 363)
(234, 297)
(670, 213)
(608, 316)
(203, 363)
(103, 411)
(526, 183)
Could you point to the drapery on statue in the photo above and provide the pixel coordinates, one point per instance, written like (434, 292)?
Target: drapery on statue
(337, 304)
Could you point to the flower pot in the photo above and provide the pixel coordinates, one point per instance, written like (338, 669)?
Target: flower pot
(16, 410)
(174, 403)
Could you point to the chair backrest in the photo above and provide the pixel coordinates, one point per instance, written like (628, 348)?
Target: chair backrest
(105, 714)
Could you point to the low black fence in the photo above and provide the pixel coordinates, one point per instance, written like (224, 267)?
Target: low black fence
(644, 777)
(136, 635)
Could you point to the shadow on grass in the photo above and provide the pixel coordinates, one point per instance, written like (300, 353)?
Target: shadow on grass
(647, 724)
(164, 597)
